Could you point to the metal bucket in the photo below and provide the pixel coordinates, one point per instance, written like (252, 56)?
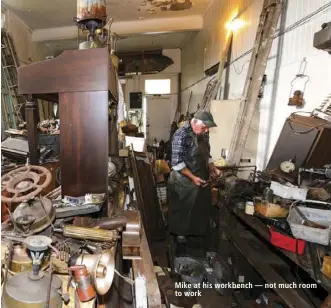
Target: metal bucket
(91, 9)
(191, 270)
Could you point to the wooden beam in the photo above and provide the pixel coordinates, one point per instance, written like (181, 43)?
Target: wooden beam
(127, 28)
(69, 72)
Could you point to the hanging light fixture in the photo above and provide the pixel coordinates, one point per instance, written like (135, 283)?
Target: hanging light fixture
(235, 24)
(298, 86)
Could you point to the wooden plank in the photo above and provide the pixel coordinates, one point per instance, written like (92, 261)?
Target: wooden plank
(145, 268)
(71, 71)
(290, 296)
(148, 202)
(84, 142)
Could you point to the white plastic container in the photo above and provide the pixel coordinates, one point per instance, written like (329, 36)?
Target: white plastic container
(288, 192)
(249, 208)
(310, 234)
(137, 142)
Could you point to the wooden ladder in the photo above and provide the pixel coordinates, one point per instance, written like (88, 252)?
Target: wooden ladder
(12, 102)
(264, 37)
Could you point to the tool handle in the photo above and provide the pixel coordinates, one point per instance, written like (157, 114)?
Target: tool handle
(308, 222)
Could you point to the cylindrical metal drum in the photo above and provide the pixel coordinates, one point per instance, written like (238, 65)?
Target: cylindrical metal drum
(83, 282)
(21, 291)
(91, 9)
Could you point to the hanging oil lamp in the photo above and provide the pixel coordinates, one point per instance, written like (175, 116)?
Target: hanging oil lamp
(298, 86)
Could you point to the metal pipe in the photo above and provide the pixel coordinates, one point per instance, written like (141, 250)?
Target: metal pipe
(227, 73)
(276, 76)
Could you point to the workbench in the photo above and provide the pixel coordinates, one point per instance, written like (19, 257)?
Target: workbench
(251, 237)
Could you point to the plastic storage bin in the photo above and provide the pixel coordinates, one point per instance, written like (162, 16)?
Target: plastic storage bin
(286, 242)
(314, 235)
(288, 192)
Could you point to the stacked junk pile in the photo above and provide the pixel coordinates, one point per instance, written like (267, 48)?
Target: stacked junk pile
(64, 251)
(49, 244)
(292, 196)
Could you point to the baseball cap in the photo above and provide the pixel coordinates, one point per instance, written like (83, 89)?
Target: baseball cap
(206, 118)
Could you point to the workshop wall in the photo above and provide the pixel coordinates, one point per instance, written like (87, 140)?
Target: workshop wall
(27, 51)
(203, 50)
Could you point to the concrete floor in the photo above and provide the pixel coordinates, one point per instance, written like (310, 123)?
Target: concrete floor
(209, 297)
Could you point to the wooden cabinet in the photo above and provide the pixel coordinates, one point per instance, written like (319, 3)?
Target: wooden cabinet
(79, 80)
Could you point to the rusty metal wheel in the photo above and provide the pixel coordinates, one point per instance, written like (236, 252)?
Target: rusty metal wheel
(24, 183)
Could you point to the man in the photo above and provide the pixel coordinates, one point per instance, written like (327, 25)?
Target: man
(189, 192)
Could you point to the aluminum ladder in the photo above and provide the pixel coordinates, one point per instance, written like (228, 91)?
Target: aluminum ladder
(264, 37)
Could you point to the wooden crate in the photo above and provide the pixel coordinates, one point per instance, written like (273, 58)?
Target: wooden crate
(270, 210)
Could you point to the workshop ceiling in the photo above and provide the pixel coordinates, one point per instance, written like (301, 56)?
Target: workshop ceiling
(133, 43)
(41, 14)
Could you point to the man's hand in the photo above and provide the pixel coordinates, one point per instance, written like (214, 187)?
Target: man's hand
(199, 182)
(196, 180)
(214, 172)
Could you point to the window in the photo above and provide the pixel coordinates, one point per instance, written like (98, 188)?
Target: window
(157, 86)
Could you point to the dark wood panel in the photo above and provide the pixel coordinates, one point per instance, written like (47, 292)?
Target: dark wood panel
(148, 203)
(321, 152)
(113, 82)
(289, 144)
(71, 71)
(84, 142)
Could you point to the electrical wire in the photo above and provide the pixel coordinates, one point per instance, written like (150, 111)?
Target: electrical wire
(242, 68)
(128, 280)
(302, 132)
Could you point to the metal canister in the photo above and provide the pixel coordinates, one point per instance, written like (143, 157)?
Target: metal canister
(91, 9)
(83, 282)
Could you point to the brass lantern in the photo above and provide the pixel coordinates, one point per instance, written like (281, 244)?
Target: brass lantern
(298, 86)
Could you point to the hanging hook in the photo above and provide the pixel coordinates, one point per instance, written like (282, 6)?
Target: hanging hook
(296, 97)
(302, 65)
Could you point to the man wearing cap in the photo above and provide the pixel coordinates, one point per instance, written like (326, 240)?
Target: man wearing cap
(189, 192)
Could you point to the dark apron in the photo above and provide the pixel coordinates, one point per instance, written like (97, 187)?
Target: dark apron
(190, 205)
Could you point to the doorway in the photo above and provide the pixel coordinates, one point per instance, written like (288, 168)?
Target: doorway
(158, 109)
(158, 117)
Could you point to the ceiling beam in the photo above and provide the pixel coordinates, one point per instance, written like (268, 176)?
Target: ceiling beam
(127, 28)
